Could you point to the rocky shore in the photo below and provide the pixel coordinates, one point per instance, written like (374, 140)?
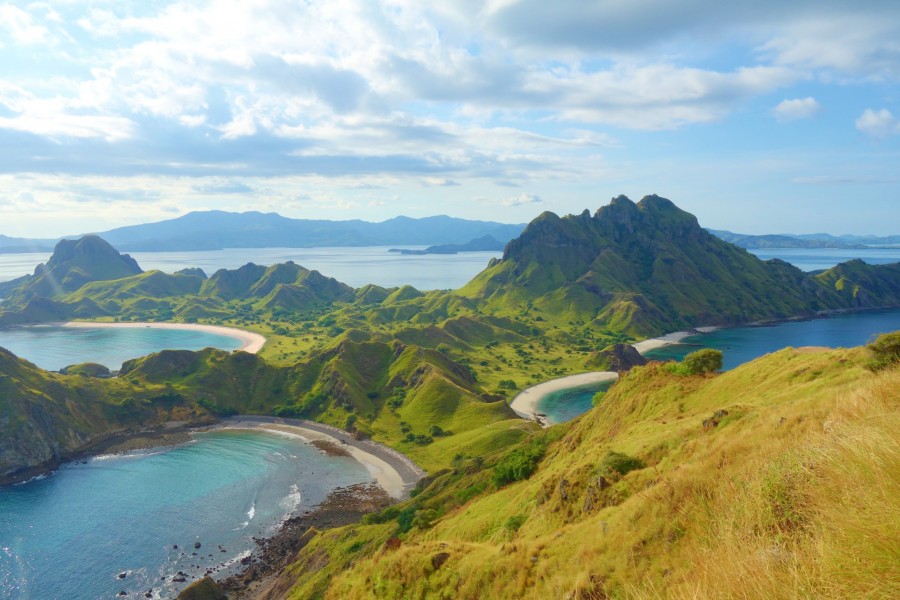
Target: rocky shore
(343, 506)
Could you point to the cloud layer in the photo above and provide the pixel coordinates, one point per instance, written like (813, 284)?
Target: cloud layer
(395, 95)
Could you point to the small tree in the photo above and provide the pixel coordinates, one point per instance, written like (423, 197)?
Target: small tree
(885, 351)
(703, 361)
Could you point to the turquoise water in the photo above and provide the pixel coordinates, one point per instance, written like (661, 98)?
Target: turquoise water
(52, 347)
(564, 405)
(742, 344)
(70, 534)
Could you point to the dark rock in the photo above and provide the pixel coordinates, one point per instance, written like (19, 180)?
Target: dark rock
(123, 575)
(439, 559)
(616, 357)
(564, 489)
(197, 544)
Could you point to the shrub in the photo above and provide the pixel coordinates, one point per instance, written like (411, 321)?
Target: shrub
(884, 351)
(616, 463)
(513, 523)
(597, 398)
(519, 464)
(703, 361)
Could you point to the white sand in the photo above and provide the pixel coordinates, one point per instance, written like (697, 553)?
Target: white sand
(525, 403)
(668, 339)
(252, 342)
(385, 474)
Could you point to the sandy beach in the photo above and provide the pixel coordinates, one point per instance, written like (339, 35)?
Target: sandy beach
(251, 342)
(394, 472)
(525, 403)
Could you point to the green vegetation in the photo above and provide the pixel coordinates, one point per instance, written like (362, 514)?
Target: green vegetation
(792, 495)
(679, 485)
(885, 351)
(701, 362)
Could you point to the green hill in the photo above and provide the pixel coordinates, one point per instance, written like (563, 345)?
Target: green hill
(778, 479)
(73, 264)
(642, 268)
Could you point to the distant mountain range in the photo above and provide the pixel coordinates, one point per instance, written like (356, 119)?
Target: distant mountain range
(215, 230)
(806, 240)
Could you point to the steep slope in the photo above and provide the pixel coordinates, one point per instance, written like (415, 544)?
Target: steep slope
(73, 264)
(863, 286)
(778, 479)
(642, 268)
(45, 417)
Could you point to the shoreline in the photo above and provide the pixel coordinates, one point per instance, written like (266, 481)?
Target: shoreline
(525, 402)
(251, 341)
(394, 472)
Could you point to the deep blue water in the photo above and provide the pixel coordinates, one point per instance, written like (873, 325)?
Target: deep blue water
(743, 344)
(52, 347)
(564, 405)
(70, 534)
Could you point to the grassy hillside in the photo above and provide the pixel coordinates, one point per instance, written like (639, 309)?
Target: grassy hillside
(641, 268)
(779, 479)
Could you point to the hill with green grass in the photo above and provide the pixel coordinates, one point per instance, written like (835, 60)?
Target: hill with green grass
(778, 479)
(73, 264)
(645, 268)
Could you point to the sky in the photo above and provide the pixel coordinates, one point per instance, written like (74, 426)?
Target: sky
(758, 116)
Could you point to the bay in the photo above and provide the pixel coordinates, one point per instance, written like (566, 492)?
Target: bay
(564, 405)
(53, 347)
(743, 344)
(356, 266)
(69, 535)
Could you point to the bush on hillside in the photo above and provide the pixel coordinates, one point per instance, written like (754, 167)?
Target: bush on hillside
(519, 464)
(703, 361)
(700, 362)
(885, 351)
(616, 463)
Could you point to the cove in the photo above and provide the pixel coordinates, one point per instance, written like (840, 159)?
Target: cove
(70, 534)
(563, 405)
(53, 347)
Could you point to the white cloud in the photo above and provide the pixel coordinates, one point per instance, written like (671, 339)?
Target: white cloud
(798, 108)
(21, 26)
(878, 123)
(522, 200)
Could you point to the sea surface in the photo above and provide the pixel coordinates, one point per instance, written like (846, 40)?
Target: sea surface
(743, 344)
(354, 266)
(53, 347)
(563, 405)
(70, 534)
(814, 259)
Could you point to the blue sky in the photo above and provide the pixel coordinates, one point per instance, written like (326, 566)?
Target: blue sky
(757, 116)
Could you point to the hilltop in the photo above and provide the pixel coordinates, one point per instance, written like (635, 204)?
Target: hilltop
(647, 267)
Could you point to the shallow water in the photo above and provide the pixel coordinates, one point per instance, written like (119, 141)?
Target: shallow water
(563, 405)
(69, 535)
(53, 347)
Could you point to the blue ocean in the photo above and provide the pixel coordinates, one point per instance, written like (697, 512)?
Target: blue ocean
(72, 533)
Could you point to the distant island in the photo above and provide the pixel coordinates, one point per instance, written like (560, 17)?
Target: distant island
(812, 240)
(485, 243)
